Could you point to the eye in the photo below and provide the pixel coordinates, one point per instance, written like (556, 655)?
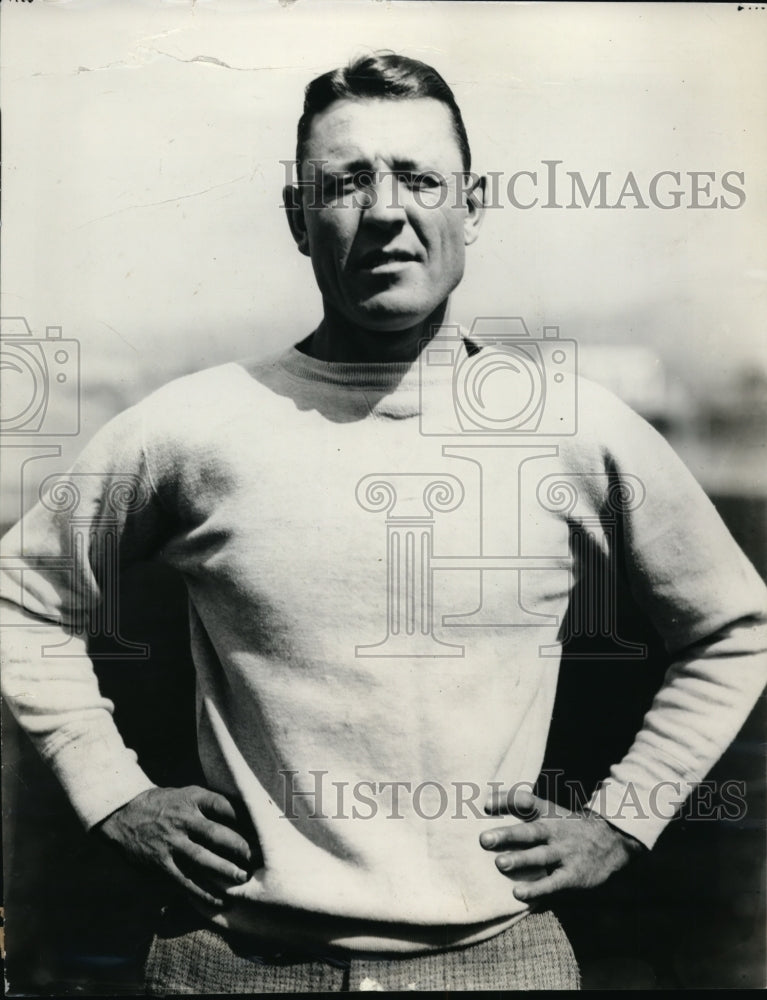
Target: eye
(364, 179)
(341, 185)
(429, 180)
(337, 184)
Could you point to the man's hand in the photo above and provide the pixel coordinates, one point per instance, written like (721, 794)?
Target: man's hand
(188, 833)
(574, 850)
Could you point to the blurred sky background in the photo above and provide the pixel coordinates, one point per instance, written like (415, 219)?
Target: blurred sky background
(142, 177)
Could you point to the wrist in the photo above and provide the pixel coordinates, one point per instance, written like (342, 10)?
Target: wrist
(630, 843)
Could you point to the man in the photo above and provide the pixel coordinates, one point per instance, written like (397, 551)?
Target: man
(379, 566)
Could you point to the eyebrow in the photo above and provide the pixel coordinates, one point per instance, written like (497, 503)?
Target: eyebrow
(362, 164)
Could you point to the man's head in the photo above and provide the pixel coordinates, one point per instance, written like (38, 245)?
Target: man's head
(384, 75)
(383, 206)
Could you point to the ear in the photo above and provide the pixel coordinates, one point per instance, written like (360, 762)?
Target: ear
(475, 208)
(294, 208)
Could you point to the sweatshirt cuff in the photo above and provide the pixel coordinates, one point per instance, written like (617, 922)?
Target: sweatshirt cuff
(641, 812)
(99, 777)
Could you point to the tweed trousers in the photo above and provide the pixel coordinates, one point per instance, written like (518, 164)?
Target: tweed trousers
(533, 954)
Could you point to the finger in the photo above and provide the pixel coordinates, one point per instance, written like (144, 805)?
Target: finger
(216, 806)
(536, 857)
(528, 806)
(215, 885)
(522, 803)
(555, 882)
(192, 887)
(213, 866)
(516, 801)
(519, 834)
(222, 840)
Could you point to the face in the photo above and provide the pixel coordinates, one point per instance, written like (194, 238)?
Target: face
(387, 217)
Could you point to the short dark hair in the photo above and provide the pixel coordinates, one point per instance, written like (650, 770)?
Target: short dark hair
(383, 75)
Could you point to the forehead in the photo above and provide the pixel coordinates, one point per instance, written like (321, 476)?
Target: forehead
(370, 130)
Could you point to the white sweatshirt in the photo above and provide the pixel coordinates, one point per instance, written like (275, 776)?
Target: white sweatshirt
(377, 597)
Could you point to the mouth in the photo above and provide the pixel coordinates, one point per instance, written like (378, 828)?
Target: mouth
(383, 260)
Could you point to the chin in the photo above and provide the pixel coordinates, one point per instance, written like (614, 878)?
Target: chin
(389, 318)
(390, 324)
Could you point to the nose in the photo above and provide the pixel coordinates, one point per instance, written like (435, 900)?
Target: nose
(381, 200)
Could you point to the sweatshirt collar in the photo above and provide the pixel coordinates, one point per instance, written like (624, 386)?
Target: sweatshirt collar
(433, 366)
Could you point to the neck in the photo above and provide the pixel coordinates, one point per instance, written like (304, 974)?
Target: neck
(337, 339)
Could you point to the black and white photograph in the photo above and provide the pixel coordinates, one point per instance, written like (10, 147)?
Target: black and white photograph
(384, 505)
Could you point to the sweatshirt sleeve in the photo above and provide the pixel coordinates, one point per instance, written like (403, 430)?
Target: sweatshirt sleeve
(710, 607)
(59, 569)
